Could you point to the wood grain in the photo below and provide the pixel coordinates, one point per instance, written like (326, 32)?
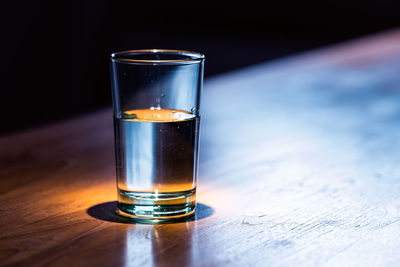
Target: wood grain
(299, 166)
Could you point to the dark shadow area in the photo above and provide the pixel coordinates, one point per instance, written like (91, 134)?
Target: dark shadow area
(106, 212)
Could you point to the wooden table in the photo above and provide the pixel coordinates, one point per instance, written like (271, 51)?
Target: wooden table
(300, 166)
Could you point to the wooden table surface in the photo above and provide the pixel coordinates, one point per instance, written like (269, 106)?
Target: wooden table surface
(299, 166)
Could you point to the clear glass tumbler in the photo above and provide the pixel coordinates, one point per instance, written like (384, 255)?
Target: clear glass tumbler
(156, 101)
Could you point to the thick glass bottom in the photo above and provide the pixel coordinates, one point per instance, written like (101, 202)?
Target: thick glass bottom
(153, 207)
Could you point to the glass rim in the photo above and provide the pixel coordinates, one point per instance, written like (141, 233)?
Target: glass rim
(126, 56)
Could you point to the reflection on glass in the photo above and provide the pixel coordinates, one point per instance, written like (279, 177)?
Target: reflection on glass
(156, 101)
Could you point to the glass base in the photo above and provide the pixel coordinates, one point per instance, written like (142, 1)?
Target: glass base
(154, 207)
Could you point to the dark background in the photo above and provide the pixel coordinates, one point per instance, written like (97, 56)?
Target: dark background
(55, 63)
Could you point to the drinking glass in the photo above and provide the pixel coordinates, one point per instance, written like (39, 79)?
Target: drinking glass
(156, 108)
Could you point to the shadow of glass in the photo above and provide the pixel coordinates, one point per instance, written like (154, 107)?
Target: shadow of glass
(106, 212)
